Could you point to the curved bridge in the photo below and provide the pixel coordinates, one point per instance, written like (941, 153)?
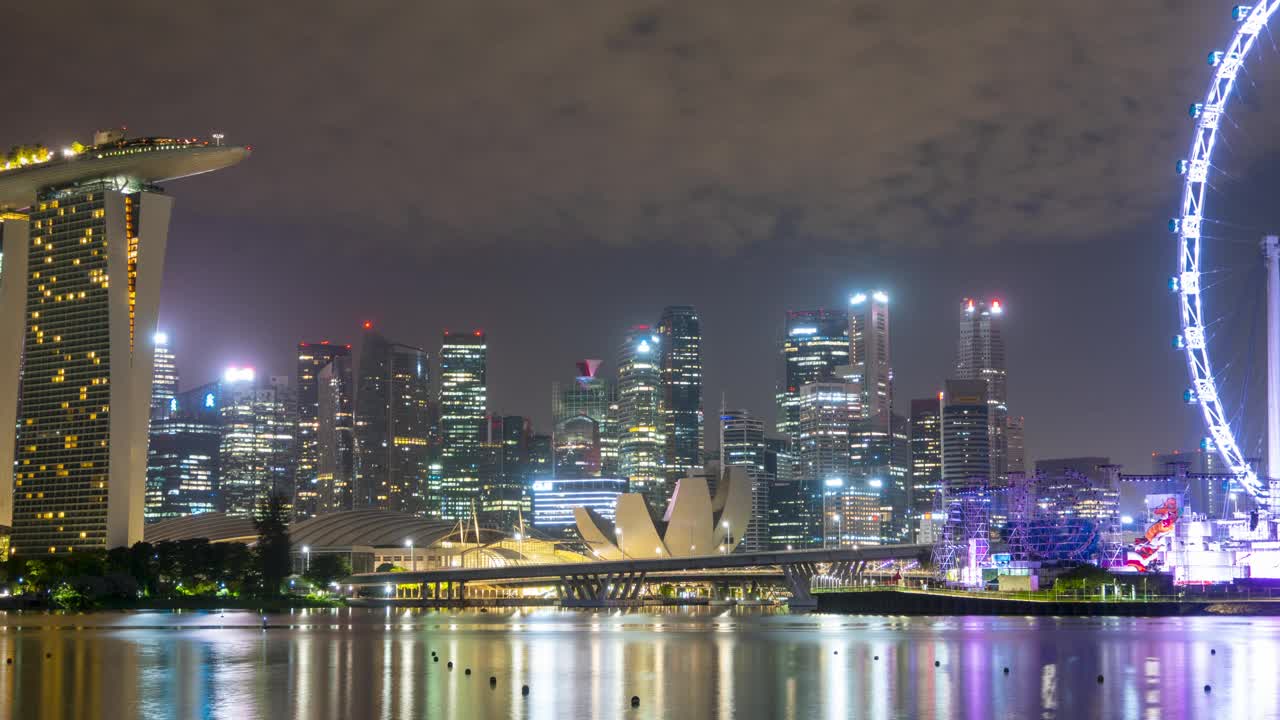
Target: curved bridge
(599, 583)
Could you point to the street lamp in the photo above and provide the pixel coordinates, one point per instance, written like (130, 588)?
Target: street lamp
(413, 557)
(621, 547)
(728, 537)
(520, 545)
(306, 558)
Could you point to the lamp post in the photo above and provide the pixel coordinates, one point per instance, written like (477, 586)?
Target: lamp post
(621, 547)
(306, 558)
(413, 557)
(520, 546)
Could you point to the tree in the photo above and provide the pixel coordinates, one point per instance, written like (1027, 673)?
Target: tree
(272, 552)
(326, 569)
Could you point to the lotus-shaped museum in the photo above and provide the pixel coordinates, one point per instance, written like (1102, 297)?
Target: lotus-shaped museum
(695, 523)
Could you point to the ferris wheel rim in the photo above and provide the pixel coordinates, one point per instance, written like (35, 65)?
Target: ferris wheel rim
(1195, 169)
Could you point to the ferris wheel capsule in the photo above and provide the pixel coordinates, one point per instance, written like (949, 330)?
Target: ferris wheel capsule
(1215, 57)
(1195, 109)
(1241, 12)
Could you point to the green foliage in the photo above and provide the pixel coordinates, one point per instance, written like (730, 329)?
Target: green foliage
(272, 551)
(68, 597)
(325, 569)
(1083, 577)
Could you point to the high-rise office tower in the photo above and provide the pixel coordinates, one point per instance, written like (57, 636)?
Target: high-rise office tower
(1016, 444)
(257, 452)
(827, 412)
(541, 465)
(372, 420)
(164, 382)
(980, 356)
(742, 444)
(966, 440)
(789, 502)
(464, 399)
(392, 426)
(182, 457)
(335, 471)
(410, 431)
(816, 342)
(680, 365)
(869, 355)
(926, 454)
(584, 436)
(641, 441)
(325, 392)
(503, 456)
(85, 235)
(895, 498)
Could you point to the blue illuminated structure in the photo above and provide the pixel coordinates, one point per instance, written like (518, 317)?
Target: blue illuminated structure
(1194, 170)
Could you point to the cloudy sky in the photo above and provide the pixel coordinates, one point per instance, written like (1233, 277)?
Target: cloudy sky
(555, 171)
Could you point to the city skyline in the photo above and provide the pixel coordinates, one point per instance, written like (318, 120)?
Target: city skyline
(943, 351)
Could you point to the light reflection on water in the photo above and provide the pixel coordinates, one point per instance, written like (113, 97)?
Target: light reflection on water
(681, 663)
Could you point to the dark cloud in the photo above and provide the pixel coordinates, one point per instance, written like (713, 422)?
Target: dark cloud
(555, 170)
(566, 120)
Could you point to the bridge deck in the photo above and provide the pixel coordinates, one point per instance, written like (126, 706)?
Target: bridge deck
(609, 567)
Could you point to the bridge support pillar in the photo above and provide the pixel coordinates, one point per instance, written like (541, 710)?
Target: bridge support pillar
(799, 579)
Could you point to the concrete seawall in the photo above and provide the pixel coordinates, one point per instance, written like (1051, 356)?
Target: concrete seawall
(898, 602)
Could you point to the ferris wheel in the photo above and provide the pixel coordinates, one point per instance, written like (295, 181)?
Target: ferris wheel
(1201, 287)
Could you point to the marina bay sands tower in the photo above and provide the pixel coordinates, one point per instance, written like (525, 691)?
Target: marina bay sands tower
(83, 239)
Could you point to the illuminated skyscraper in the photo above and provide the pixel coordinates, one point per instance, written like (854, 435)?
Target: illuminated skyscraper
(182, 458)
(585, 436)
(410, 432)
(827, 412)
(164, 383)
(980, 356)
(926, 453)
(742, 444)
(680, 364)
(641, 441)
(464, 400)
(504, 454)
(326, 419)
(392, 426)
(966, 439)
(85, 235)
(790, 502)
(816, 342)
(869, 356)
(257, 453)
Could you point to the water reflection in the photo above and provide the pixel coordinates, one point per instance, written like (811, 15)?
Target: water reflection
(680, 663)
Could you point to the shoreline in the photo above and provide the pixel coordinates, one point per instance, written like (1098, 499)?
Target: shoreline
(921, 602)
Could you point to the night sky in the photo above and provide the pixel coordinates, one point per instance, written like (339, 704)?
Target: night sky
(555, 171)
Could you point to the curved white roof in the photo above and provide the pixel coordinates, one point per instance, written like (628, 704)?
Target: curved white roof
(18, 187)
